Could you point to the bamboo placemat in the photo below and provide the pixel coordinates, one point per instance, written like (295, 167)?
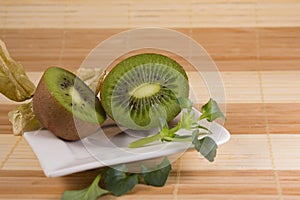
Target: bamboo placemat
(256, 46)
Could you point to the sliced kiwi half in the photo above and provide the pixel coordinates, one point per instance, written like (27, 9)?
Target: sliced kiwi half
(65, 105)
(143, 89)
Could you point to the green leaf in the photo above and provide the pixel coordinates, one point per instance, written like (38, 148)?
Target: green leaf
(90, 193)
(211, 111)
(118, 182)
(158, 176)
(206, 146)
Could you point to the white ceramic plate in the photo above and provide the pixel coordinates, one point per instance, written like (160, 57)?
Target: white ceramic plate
(59, 158)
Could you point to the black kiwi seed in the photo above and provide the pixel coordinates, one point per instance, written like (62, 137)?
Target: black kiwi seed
(141, 89)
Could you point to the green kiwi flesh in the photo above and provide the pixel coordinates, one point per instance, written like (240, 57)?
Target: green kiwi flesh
(64, 104)
(143, 88)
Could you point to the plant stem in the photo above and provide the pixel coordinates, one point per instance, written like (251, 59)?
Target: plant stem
(144, 141)
(173, 131)
(178, 139)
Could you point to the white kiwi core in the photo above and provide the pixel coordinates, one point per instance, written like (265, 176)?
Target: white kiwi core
(145, 90)
(75, 95)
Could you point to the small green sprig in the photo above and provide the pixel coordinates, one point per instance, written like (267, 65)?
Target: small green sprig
(91, 192)
(118, 181)
(206, 146)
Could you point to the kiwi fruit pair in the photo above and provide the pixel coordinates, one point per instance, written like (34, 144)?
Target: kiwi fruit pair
(136, 94)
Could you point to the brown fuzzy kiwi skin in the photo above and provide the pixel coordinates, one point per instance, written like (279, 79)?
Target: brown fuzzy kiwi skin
(56, 118)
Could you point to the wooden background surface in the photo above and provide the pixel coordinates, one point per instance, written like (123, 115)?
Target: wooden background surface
(256, 46)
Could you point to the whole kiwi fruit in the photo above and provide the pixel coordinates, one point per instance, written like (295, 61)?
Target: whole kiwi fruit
(142, 89)
(66, 106)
